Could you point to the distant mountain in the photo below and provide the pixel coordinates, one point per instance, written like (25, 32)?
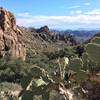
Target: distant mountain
(79, 34)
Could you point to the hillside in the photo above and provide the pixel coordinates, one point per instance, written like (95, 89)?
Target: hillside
(38, 64)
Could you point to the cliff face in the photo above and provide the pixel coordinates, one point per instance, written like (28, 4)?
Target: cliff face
(10, 36)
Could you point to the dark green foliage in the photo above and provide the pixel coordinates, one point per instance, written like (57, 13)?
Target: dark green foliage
(79, 50)
(25, 81)
(45, 96)
(28, 95)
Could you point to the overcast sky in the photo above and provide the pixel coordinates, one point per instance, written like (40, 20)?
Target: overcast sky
(63, 14)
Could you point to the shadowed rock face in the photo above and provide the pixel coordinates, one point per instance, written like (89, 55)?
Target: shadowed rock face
(10, 36)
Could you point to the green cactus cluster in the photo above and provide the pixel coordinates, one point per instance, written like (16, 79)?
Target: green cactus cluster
(91, 57)
(96, 40)
(35, 84)
(76, 64)
(93, 51)
(38, 83)
(86, 61)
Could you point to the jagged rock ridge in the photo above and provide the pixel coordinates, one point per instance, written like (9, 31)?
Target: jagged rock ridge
(46, 34)
(10, 36)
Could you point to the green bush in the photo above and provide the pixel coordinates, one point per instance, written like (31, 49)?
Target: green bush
(12, 70)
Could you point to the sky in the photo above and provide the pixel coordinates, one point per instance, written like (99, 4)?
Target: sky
(57, 14)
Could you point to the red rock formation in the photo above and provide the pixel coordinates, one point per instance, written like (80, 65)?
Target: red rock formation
(10, 36)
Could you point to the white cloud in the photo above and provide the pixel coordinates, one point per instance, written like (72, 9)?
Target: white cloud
(87, 4)
(79, 20)
(74, 7)
(79, 11)
(94, 12)
(78, 6)
(25, 14)
(73, 12)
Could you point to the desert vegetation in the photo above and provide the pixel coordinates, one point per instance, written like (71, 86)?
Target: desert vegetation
(52, 67)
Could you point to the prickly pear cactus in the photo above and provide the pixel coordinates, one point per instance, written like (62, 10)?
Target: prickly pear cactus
(75, 64)
(96, 40)
(37, 71)
(85, 60)
(34, 84)
(93, 51)
(62, 66)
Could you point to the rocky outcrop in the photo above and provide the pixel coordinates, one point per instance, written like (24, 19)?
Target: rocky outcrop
(10, 36)
(52, 36)
(44, 29)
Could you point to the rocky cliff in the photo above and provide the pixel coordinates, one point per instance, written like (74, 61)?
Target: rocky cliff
(10, 36)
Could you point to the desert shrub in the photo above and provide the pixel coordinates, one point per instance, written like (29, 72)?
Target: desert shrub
(29, 56)
(5, 86)
(9, 91)
(12, 70)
